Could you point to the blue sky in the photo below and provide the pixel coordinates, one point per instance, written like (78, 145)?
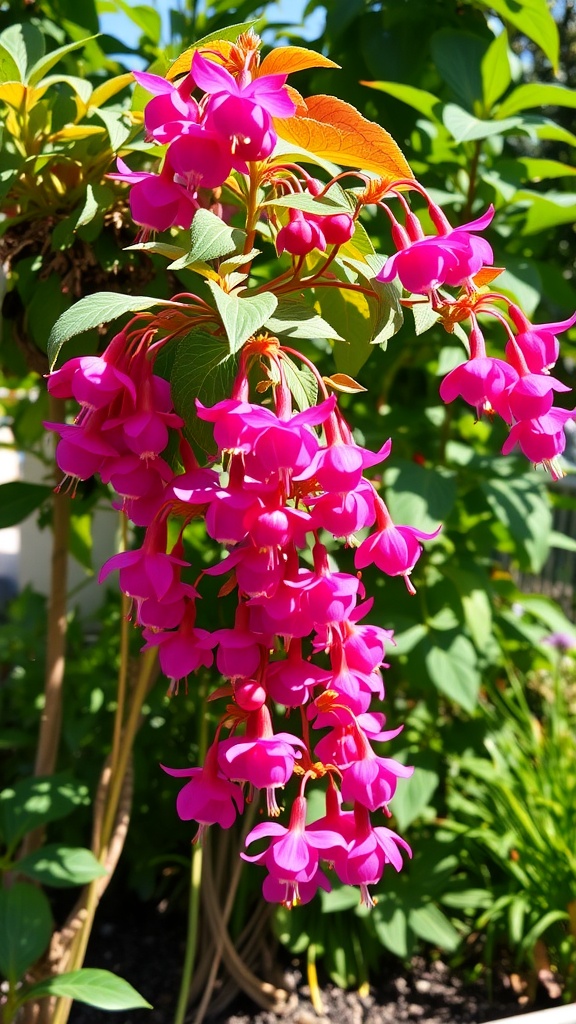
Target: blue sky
(119, 24)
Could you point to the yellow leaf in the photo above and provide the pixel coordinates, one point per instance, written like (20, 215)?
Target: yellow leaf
(183, 63)
(285, 59)
(77, 131)
(342, 382)
(108, 89)
(337, 131)
(13, 93)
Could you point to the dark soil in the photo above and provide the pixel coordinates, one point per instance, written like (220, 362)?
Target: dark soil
(146, 948)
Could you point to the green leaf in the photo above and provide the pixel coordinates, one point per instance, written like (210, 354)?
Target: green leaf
(464, 127)
(24, 43)
(341, 897)
(536, 94)
(90, 208)
(452, 667)
(80, 541)
(18, 500)
(425, 317)
(210, 238)
(93, 310)
(307, 203)
(204, 369)
(424, 102)
(548, 210)
(61, 866)
(416, 792)
(171, 252)
(472, 589)
(433, 926)
(496, 74)
(458, 57)
(242, 317)
(522, 506)
(37, 801)
(534, 19)
(92, 986)
(25, 928)
(297, 320)
(389, 313)
(353, 314)
(418, 496)
(391, 924)
(9, 70)
(41, 68)
(113, 121)
(301, 382)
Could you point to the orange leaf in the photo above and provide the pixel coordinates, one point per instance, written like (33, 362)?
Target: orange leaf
(343, 382)
(286, 59)
(487, 275)
(298, 101)
(336, 131)
(183, 63)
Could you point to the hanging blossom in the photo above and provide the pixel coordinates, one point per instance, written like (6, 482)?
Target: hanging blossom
(518, 385)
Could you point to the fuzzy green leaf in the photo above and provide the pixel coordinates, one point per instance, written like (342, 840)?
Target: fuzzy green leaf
(242, 316)
(93, 310)
(210, 238)
(204, 369)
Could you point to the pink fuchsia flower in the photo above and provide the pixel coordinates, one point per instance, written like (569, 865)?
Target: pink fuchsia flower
(240, 108)
(291, 894)
(144, 430)
(337, 228)
(325, 596)
(393, 549)
(339, 467)
(369, 779)
(538, 342)
(292, 858)
(344, 514)
(530, 397)
(369, 852)
(94, 381)
(183, 651)
(208, 798)
(480, 382)
(157, 202)
(147, 571)
(261, 758)
(81, 451)
(200, 158)
(292, 680)
(171, 108)
(542, 439)
(300, 235)
(448, 258)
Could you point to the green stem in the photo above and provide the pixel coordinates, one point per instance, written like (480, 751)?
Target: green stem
(195, 897)
(192, 933)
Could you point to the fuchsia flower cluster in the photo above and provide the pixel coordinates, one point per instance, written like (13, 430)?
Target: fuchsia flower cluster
(228, 127)
(299, 638)
(519, 388)
(283, 485)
